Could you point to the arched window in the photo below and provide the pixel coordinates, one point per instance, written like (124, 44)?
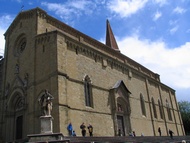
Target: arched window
(168, 110)
(154, 108)
(142, 102)
(160, 109)
(88, 91)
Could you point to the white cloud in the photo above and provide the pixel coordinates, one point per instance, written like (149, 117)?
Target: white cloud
(126, 8)
(161, 2)
(179, 10)
(157, 15)
(173, 65)
(2, 41)
(174, 29)
(5, 21)
(71, 9)
(30, 3)
(173, 22)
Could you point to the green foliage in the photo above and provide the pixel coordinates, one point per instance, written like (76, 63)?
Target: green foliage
(184, 107)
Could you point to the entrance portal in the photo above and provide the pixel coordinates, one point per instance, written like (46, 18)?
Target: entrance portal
(19, 122)
(121, 108)
(120, 124)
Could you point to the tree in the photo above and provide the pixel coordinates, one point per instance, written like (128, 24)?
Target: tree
(184, 107)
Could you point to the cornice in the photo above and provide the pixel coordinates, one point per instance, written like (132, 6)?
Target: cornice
(105, 60)
(43, 38)
(126, 67)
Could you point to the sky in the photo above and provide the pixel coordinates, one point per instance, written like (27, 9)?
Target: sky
(154, 33)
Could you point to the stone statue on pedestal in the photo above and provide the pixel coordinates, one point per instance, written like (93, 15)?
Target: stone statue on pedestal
(46, 121)
(45, 102)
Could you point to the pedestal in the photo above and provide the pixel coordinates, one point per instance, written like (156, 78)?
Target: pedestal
(46, 124)
(47, 134)
(43, 138)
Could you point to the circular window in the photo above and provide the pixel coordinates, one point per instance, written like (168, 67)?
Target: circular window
(21, 45)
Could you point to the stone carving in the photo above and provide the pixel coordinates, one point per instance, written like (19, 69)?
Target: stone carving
(16, 69)
(26, 80)
(7, 89)
(45, 102)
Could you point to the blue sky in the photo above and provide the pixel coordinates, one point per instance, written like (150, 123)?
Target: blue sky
(155, 33)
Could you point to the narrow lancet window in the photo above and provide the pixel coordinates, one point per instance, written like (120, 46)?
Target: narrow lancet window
(154, 108)
(88, 91)
(161, 110)
(168, 111)
(142, 102)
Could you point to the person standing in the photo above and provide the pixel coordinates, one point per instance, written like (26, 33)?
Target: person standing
(159, 130)
(74, 134)
(83, 129)
(119, 132)
(134, 134)
(171, 133)
(70, 129)
(90, 130)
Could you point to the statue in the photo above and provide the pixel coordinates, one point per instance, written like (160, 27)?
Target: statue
(45, 102)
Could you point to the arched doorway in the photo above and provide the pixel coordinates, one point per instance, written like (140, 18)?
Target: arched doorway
(123, 116)
(121, 108)
(16, 115)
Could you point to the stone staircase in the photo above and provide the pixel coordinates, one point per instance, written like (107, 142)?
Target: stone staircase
(129, 139)
(117, 139)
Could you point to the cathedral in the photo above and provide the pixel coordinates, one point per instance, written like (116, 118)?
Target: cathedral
(90, 82)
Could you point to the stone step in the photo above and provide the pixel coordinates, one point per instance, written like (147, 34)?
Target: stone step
(124, 139)
(147, 139)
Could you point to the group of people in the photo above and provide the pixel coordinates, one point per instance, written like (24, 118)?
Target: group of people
(90, 130)
(83, 130)
(170, 132)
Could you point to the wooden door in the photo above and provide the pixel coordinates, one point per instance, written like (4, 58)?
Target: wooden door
(120, 124)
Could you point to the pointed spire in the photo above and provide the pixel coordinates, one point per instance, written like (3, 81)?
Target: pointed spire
(110, 39)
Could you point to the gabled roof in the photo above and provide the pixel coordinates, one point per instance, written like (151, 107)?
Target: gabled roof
(120, 83)
(110, 39)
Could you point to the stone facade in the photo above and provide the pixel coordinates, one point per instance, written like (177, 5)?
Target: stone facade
(90, 81)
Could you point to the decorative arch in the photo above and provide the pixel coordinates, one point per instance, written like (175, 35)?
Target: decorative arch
(16, 105)
(14, 97)
(142, 102)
